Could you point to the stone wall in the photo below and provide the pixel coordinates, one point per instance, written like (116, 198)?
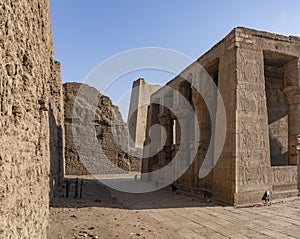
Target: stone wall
(284, 181)
(56, 129)
(27, 73)
(220, 63)
(105, 118)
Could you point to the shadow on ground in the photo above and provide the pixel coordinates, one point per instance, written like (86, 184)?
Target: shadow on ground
(96, 194)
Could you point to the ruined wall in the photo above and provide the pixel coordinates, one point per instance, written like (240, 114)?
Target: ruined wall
(106, 118)
(26, 74)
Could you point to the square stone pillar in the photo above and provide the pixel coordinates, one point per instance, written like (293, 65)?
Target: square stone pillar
(252, 150)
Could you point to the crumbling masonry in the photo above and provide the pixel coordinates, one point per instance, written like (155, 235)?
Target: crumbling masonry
(258, 76)
(31, 116)
(107, 118)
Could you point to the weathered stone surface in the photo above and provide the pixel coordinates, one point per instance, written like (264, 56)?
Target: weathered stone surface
(108, 128)
(257, 74)
(56, 129)
(137, 115)
(31, 114)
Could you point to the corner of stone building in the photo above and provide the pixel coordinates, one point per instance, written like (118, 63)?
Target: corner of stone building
(257, 52)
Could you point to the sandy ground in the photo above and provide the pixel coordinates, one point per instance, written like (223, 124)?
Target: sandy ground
(106, 213)
(100, 215)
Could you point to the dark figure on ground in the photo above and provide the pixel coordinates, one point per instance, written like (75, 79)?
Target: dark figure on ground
(266, 197)
(207, 195)
(173, 188)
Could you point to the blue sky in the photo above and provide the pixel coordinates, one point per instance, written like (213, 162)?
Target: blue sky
(88, 32)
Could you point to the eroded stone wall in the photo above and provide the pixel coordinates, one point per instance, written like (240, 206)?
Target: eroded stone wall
(26, 76)
(107, 130)
(56, 129)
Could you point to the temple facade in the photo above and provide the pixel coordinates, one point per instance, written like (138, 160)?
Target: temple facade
(257, 74)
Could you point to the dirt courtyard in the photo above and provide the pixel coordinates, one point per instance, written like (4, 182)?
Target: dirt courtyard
(105, 213)
(100, 214)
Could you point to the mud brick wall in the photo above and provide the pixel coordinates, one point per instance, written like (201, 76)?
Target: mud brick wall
(103, 125)
(27, 72)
